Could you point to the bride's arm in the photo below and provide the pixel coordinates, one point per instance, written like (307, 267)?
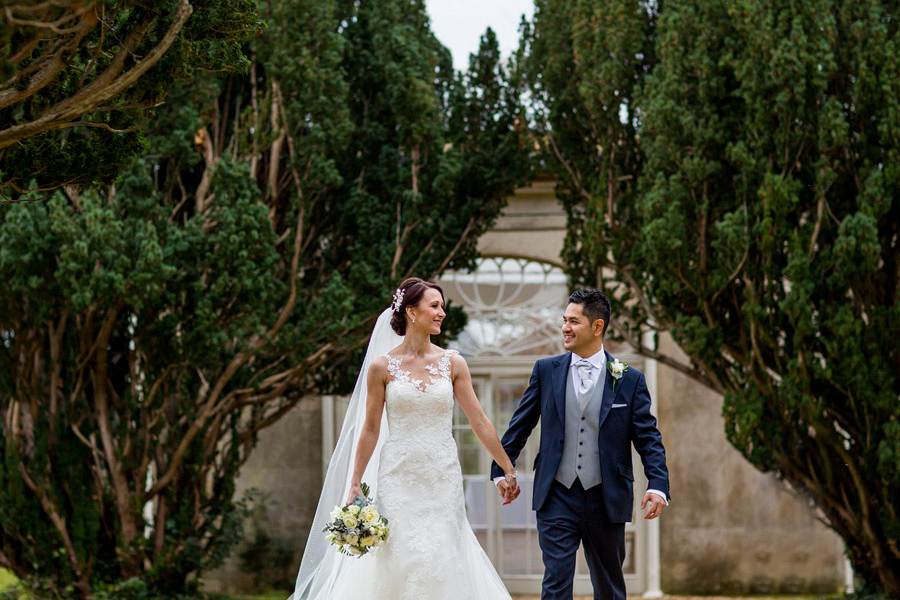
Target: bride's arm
(368, 437)
(481, 425)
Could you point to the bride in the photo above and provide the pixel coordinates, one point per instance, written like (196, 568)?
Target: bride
(399, 429)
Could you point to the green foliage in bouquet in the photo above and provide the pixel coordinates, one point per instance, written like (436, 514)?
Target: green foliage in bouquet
(365, 494)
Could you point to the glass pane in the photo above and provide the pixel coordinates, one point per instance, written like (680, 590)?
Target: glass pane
(509, 393)
(514, 307)
(469, 458)
(470, 449)
(521, 553)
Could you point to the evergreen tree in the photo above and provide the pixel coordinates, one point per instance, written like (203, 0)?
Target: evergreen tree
(159, 324)
(730, 172)
(79, 80)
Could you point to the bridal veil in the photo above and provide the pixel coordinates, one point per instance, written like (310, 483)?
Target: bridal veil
(322, 565)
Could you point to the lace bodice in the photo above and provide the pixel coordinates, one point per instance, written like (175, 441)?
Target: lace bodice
(442, 370)
(419, 412)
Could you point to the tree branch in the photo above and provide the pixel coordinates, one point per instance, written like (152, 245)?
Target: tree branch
(49, 67)
(60, 524)
(108, 84)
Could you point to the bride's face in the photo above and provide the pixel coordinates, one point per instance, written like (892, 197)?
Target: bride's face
(429, 312)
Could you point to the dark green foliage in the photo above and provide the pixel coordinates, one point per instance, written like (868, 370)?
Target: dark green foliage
(137, 589)
(79, 80)
(154, 327)
(734, 179)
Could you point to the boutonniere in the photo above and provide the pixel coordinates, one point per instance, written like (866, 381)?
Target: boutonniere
(616, 368)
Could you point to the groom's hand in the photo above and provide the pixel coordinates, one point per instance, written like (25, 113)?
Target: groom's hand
(508, 492)
(656, 504)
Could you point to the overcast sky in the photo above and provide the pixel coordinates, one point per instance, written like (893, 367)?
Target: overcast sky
(459, 24)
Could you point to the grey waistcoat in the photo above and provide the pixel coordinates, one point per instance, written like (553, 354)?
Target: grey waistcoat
(581, 452)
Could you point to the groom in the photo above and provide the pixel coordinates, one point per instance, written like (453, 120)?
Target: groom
(592, 408)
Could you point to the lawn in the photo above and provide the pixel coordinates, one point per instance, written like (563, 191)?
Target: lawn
(7, 579)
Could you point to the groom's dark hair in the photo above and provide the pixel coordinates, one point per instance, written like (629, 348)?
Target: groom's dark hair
(594, 304)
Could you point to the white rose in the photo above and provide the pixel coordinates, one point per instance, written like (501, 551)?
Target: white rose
(354, 509)
(350, 520)
(617, 368)
(369, 515)
(355, 550)
(352, 539)
(367, 541)
(335, 513)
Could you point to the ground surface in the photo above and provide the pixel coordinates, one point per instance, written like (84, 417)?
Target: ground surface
(6, 579)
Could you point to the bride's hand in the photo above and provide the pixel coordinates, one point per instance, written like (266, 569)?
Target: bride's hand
(355, 490)
(509, 490)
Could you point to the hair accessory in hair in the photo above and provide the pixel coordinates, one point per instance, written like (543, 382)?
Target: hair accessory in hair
(398, 300)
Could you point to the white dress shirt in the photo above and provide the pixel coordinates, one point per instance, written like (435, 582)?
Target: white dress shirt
(596, 361)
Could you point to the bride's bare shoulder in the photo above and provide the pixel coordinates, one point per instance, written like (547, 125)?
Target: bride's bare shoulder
(457, 362)
(380, 361)
(379, 367)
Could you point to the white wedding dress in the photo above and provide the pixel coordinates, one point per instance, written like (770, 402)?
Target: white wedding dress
(431, 552)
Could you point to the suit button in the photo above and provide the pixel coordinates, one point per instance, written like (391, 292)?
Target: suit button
(582, 431)
(579, 466)
(581, 443)
(582, 418)
(579, 456)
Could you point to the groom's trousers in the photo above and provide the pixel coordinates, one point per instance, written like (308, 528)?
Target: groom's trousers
(567, 518)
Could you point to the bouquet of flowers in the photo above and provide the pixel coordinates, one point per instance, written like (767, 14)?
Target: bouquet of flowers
(357, 528)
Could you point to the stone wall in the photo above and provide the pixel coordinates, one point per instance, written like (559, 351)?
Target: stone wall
(731, 529)
(286, 467)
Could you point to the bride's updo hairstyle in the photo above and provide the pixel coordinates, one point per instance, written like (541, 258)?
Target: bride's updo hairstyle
(409, 293)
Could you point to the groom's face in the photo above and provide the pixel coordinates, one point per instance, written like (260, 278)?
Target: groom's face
(580, 335)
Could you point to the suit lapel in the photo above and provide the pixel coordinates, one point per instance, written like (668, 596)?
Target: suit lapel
(609, 393)
(558, 385)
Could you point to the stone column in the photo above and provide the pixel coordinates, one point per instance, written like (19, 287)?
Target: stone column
(652, 589)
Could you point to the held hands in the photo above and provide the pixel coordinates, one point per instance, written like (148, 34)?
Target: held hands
(656, 503)
(509, 489)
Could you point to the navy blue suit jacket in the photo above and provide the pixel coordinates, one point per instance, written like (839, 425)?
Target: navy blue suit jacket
(620, 427)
